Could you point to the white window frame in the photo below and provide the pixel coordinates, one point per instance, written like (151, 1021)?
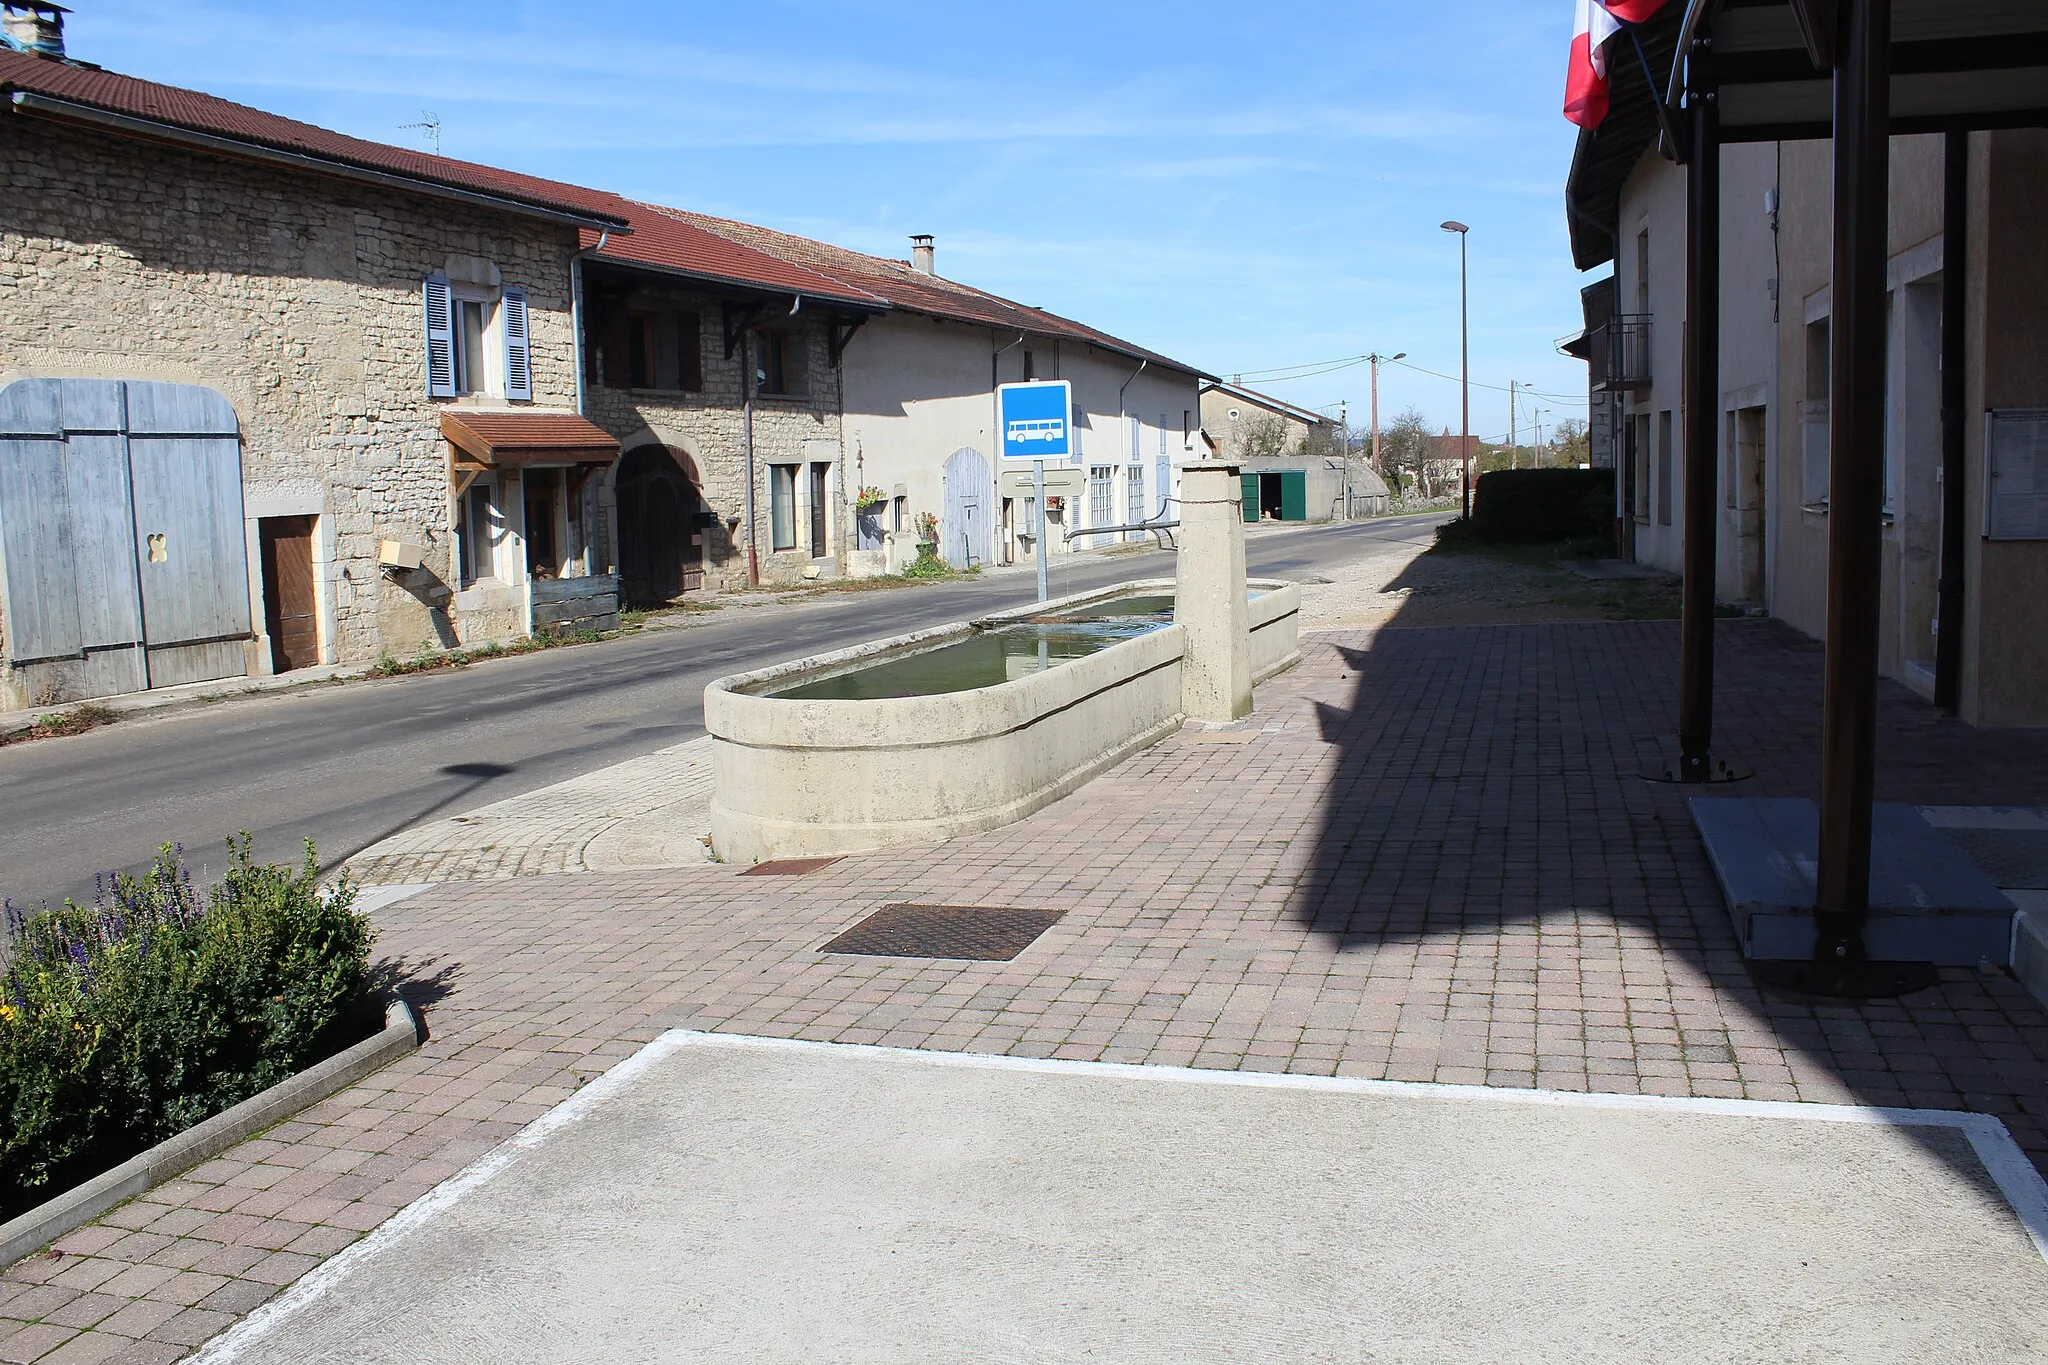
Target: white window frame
(493, 346)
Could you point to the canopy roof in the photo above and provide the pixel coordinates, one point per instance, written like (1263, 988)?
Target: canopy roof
(1955, 64)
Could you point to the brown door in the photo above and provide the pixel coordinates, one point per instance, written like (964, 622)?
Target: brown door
(289, 614)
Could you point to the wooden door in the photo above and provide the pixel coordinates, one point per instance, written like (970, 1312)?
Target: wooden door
(964, 529)
(185, 469)
(290, 613)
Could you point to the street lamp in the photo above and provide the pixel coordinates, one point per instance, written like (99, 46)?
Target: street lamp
(1464, 367)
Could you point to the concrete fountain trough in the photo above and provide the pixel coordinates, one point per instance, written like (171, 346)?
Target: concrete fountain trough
(903, 741)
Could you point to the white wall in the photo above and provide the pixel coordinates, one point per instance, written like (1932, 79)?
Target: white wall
(919, 388)
(1655, 199)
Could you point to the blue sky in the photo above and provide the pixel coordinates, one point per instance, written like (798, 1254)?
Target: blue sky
(1244, 188)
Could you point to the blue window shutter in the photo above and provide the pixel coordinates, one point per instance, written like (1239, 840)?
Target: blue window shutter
(440, 337)
(518, 347)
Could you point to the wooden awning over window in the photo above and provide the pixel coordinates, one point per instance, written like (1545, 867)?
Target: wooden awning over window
(502, 440)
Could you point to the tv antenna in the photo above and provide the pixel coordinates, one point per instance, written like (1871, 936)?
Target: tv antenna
(430, 124)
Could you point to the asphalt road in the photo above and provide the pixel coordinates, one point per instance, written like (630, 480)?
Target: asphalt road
(349, 764)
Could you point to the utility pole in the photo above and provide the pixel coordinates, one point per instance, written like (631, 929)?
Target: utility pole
(1344, 435)
(1378, 360)
(1511, 424)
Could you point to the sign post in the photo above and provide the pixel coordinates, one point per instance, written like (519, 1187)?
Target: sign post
(1037, 425)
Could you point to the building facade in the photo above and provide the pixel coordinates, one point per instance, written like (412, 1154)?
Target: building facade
(1628, 211)
(318, 311)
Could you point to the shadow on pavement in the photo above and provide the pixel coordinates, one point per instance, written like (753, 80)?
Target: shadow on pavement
(1486, 807)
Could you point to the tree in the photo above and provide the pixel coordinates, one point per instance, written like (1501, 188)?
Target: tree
(1572, 443)
(1405, 450)
(1262, 437)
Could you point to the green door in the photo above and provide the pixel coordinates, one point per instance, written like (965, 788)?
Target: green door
(1294, 495)
(1251, 497)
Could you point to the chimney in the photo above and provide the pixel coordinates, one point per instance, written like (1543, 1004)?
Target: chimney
(923, 254)
(33, 28)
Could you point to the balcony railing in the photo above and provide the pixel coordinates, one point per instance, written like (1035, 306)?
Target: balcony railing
(1620, 353)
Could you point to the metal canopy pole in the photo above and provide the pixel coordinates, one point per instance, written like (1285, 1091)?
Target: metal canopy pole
(1862, 153)
(1702, 437)
(1955, 256)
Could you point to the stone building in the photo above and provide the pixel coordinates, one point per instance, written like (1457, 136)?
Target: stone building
(273, 397)
(228, 346)
(712, 362)
(917, 389)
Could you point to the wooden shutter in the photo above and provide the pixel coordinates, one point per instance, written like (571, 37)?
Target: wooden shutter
(690, 346)
(440, 301)
(518, 347)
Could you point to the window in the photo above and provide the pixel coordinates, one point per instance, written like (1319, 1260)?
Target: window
(1643, 271)
(1639, 468)
(1101, 495)
(899, 509)
(470, 318)
(476, 340)
(1664, 463)
(820, 478)
(775, 368)
(1030, 367)
(1813, 415)
(475, 536)
(782, 506)
(1134, 498)
(664, 350)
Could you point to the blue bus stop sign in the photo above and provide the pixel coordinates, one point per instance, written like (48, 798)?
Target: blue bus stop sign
(1037, 420)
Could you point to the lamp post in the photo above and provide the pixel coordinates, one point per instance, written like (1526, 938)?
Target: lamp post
(1464, 369)
(1378, 360)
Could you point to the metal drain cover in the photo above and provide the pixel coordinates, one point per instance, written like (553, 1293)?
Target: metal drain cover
(2015, 858)
(788, 867)
(978, 933)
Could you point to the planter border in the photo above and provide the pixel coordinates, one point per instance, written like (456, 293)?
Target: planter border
(402, 1032)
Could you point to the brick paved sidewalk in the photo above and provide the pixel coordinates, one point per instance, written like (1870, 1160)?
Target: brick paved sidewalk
(1433, 863)
(646, 812)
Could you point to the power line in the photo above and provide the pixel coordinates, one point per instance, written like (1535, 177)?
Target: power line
(1497, 388)
(1309, 370)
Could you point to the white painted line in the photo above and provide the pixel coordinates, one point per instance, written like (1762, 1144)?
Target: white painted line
(2022, 1185)
(230, 1344)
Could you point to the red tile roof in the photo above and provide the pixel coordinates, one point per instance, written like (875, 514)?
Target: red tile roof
(903, 286)
(667, 242)
(524, 436)
(215, 117)
(667, 239)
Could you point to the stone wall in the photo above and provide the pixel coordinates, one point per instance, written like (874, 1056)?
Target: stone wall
(708, 426)
(298, 298)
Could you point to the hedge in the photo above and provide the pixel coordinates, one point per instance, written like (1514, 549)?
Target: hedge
(129, 1020)
(1538, 506)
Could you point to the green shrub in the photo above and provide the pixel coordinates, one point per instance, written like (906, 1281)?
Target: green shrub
(1540, 506)
(129, 1020)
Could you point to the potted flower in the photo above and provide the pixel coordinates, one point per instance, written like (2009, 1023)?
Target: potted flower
(867, 517)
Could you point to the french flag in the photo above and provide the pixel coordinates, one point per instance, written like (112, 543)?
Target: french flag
(1585, 83)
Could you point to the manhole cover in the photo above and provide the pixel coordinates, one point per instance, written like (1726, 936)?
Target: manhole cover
(979, 933)
(2014, 858)
(788, 867)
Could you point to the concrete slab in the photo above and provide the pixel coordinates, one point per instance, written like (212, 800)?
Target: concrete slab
(718, 1197)
(1928, 901)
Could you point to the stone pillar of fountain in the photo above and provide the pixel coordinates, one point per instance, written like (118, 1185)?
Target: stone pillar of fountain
(1210, 596)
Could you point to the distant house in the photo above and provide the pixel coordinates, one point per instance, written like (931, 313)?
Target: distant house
(918, 404)
(1284, 481)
